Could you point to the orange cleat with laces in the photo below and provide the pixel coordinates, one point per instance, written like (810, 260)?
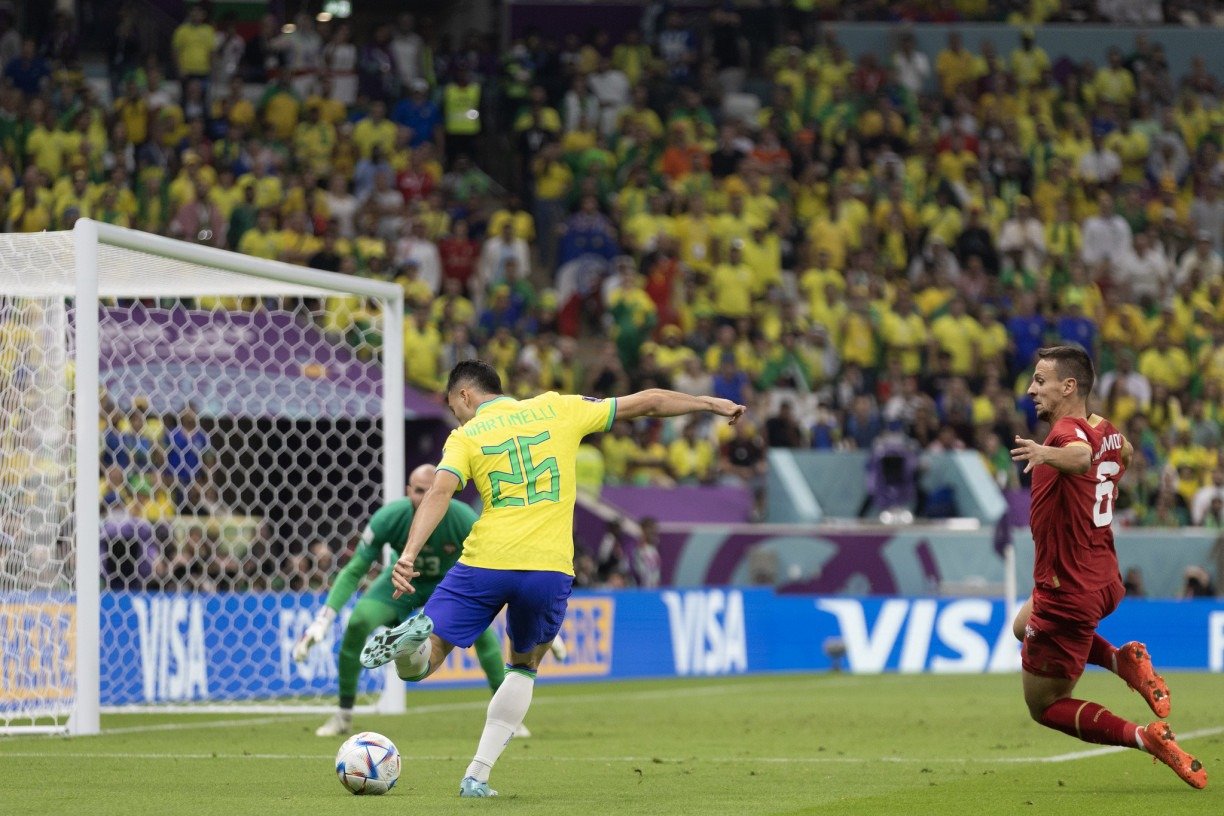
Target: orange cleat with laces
(1159, 741)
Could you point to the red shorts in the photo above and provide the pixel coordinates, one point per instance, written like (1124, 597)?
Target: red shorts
(1059, 633)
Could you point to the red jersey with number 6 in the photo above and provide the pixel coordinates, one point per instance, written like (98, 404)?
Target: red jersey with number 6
(1071, 513)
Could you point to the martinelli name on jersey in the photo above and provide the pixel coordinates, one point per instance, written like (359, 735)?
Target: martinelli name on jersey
(478, 426)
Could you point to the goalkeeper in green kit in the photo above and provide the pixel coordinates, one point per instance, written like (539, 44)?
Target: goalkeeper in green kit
(389, 526)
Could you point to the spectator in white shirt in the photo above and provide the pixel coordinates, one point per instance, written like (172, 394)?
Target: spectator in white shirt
(406, 48)
(1106, 235)
(497, 250)
(647, 562)
(1145, 271)
(1169, 158)
(1207, 213)
(579, 106)
(1136, 384)
(913, 67)
(1022, 239)
(1203, 497)
(1199, 262)
(303, 53)
(611, 88)
(417, 248)
(1100, 165)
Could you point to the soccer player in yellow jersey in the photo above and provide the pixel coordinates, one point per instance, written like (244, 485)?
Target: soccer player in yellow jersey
(520, 553)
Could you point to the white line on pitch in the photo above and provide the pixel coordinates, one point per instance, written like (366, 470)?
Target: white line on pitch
(646, 760)
(437, 708)
(141, 729)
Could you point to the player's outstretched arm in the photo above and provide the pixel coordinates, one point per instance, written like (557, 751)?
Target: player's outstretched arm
(426, 519)
(659, 402)
(1074, 457)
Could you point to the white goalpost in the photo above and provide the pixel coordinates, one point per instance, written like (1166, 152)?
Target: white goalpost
(188, 438)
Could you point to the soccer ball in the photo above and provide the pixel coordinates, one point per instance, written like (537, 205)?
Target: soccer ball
(368, 764)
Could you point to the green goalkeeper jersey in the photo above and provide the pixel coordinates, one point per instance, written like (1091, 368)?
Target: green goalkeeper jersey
(389, 526)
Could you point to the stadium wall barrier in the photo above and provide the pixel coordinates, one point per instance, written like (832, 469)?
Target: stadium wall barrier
(1083, 41)
(1080, 41)
(908, 560)
(226, 647)
(809, 486)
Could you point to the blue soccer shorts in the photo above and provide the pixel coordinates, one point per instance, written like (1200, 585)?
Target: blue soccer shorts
(467, 600)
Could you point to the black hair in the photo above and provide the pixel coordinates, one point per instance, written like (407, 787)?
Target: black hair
(477, 373)
(1071, 362)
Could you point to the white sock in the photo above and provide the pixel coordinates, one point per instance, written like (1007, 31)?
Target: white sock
(506, 712)
(1139, 739)
(415, 665)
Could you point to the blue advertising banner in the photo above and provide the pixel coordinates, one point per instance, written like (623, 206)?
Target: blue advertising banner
(161, 647)
(224, 647)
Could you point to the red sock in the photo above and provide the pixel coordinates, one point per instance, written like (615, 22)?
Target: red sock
(1102, 653)
(1089, 722)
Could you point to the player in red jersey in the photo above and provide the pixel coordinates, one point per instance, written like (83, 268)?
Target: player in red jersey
(1075, 569)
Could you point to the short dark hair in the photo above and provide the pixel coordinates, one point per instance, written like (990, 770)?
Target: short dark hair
(1071, 362)
(477, 373)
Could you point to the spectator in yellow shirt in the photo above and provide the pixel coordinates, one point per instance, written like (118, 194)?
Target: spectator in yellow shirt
(617, 448)
(732, 284)
(691, 457)
(523, 223)
(423, 351)
(728, 345)
(954, 66)
(1114, 83)
(958, 334)
(234, 107)
(28, 209)
(193, 43)
(263, 241)
(763, 253)
(1166, 364)
(671, 354)
(280, 107)
(1029, 61)
(375, 130)
(314, 141)
(904, 332)
(538, 114)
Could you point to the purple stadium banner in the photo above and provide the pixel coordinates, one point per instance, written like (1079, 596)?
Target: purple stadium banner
(262, 363)
(683, 504)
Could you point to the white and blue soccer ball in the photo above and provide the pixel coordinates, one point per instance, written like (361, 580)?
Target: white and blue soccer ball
(368, 764)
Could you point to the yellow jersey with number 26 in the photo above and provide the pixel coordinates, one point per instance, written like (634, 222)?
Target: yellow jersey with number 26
(521, 455)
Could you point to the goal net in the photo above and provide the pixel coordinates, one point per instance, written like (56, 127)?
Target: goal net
(188, 440)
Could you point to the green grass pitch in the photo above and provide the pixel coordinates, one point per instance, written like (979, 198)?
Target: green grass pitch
(794, 744)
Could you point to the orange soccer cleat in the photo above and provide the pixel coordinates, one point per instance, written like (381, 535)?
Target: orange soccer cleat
(1159, 741)
(1135, 667)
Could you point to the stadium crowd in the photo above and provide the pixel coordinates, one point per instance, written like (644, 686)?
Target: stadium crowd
(868, 249)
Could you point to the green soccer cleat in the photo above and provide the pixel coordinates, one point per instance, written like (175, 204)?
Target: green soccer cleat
(391, 643)
(469, 788)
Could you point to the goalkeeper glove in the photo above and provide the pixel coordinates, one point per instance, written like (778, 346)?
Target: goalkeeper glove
(316, 631)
